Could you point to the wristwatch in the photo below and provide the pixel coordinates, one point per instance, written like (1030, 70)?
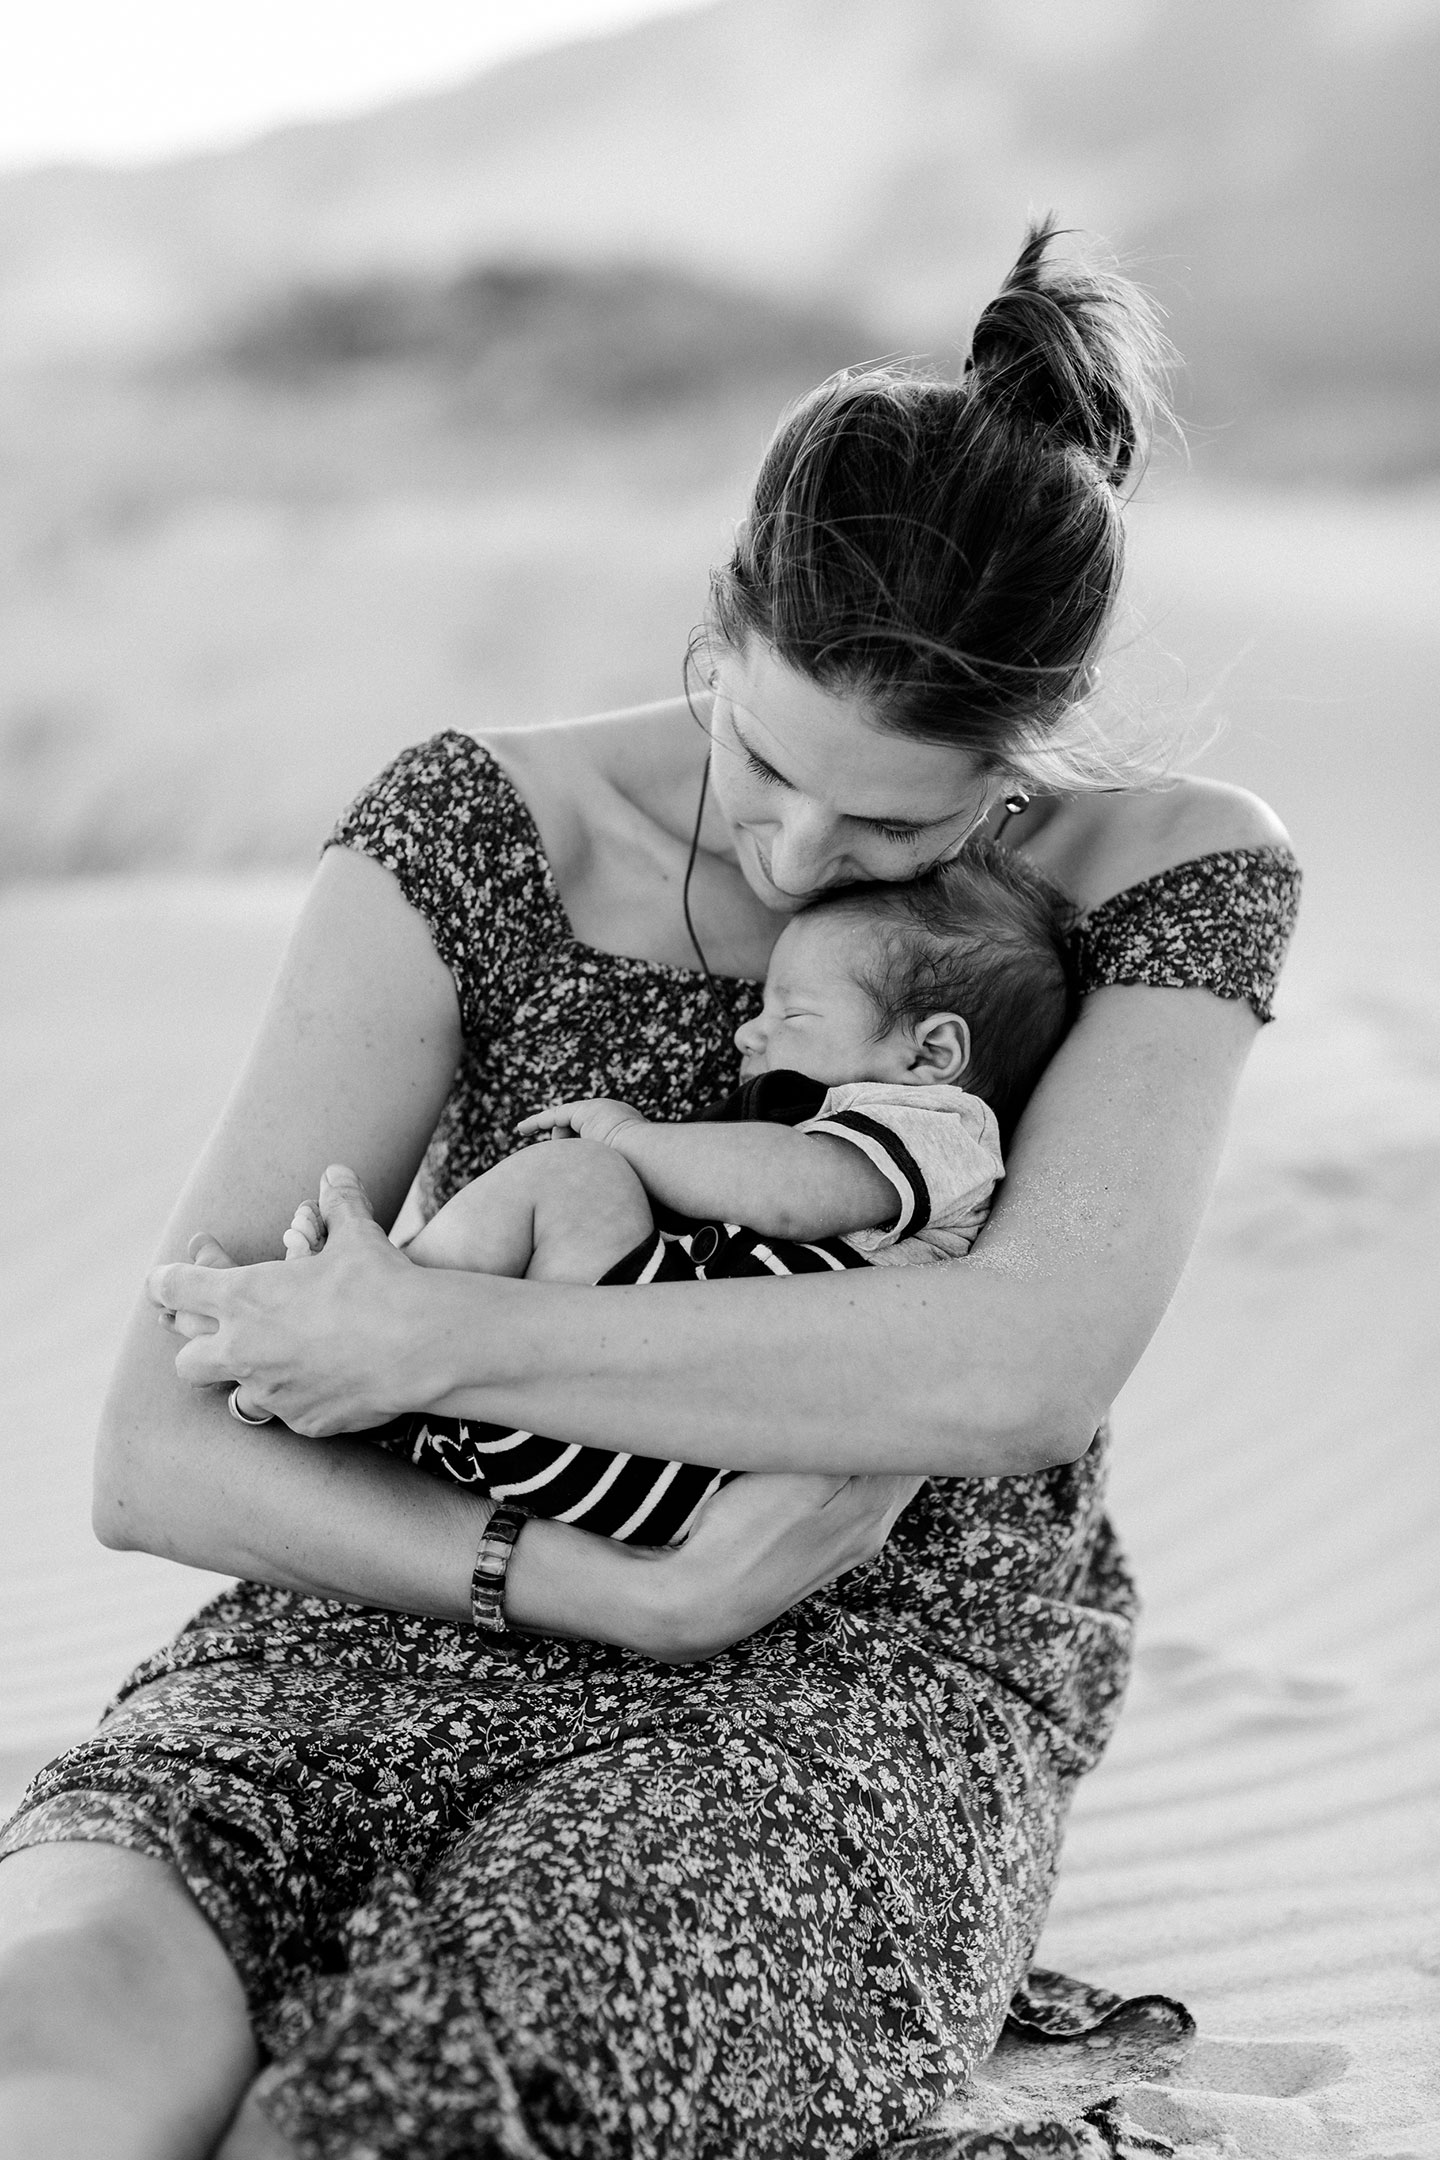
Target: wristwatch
(492, 1564)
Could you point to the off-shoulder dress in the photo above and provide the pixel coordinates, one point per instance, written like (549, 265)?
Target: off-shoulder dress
(557, 1899)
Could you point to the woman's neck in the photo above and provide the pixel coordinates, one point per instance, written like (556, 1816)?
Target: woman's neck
(615, 801)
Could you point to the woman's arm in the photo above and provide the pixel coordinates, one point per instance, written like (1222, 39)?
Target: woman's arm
(1005, 1361)
(360, 1039)
(357, 1052)
(1000, 1363)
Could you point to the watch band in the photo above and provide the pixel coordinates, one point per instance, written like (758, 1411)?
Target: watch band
(492, 1564)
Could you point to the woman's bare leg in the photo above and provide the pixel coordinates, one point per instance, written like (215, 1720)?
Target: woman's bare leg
(123, 2028)
(253, 2137)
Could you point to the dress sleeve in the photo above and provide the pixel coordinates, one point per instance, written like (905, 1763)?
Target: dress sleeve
(1220, 922)
(445, 820)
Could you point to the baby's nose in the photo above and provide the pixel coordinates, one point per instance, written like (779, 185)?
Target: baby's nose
(749, 1037)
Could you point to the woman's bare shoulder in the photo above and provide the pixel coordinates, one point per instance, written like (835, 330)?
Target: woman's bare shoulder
(612, 746)
(566, 770)
(1097, 846)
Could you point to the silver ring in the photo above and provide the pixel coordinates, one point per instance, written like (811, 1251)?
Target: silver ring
(267, 1417)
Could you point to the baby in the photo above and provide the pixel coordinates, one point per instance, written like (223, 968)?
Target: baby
(902, 1030)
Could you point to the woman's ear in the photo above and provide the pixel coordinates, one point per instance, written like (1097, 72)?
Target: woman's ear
(942, 1048)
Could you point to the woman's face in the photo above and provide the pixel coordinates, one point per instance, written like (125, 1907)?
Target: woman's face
(816, 794)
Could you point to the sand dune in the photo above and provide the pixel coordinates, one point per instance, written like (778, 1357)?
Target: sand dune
(1262, 1839)
(1275, 168)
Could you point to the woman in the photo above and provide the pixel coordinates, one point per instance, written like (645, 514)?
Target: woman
(744, 1849)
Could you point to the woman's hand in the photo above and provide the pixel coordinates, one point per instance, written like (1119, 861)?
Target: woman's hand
(323, 1343)
(763, 1543)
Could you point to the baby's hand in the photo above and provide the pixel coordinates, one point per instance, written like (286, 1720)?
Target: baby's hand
(600, 1119)
(306, 1233)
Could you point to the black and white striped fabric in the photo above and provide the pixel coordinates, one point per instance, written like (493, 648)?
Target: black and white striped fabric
(637, 1499)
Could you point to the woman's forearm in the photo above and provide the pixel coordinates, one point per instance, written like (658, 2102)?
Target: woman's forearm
(999, 1363)
(871, 1370)
(177, 1476)
(336, 1518)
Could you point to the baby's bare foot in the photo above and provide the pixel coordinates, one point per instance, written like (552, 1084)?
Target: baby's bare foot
(306, 1233)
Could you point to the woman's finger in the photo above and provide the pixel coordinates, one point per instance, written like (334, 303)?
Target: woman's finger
(247, 1411)
(202, 1363)
(343, 1199)
(207, 1251)
(180, 1286)
(193, 1326)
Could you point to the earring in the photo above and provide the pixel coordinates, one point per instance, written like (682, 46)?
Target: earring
(1017, 802)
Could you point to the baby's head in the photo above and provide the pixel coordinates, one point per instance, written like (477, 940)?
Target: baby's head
(963, 976)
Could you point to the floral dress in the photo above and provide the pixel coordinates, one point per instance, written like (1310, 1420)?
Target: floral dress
(553, 1898)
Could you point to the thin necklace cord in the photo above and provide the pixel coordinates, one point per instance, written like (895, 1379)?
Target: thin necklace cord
(689, 873)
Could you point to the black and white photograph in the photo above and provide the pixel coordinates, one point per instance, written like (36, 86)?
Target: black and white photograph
(720, 1080)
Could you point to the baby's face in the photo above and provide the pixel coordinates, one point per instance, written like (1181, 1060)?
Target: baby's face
(816, 1019)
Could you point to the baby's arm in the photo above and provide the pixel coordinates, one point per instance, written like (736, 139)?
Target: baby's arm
(773, 1178)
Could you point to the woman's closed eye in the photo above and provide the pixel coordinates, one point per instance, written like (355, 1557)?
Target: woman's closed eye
(901, 833)
(896, 835)
(761, 770)
(882, 831)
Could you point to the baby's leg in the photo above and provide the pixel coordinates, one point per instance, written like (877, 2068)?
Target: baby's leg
(565, 1211)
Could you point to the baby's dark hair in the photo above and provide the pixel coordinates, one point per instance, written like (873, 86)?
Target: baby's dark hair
(985, 936)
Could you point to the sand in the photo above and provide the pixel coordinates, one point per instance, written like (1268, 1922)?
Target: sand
(1261, 1840)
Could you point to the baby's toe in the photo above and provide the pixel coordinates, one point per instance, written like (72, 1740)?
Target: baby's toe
(306, 1233)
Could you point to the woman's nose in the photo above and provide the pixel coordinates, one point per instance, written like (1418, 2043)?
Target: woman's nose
(804, 854)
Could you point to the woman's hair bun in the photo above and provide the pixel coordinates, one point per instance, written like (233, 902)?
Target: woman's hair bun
(951, 552)
(1075, 351)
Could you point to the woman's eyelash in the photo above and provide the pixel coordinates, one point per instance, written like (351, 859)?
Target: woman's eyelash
(762, 771)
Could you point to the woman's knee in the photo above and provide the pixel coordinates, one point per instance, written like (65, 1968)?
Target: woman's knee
(252, 2136)
(104, 1954)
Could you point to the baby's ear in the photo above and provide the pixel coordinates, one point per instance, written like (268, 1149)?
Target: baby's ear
(942, 1049)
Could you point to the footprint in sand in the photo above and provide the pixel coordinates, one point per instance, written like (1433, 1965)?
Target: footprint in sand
(1241, 2098)
(1277, 2068)
(1263, 1696)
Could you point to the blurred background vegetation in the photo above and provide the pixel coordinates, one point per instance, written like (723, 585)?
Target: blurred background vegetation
(436, 416)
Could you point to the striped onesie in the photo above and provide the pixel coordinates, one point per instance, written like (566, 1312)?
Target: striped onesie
(940, 1149)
